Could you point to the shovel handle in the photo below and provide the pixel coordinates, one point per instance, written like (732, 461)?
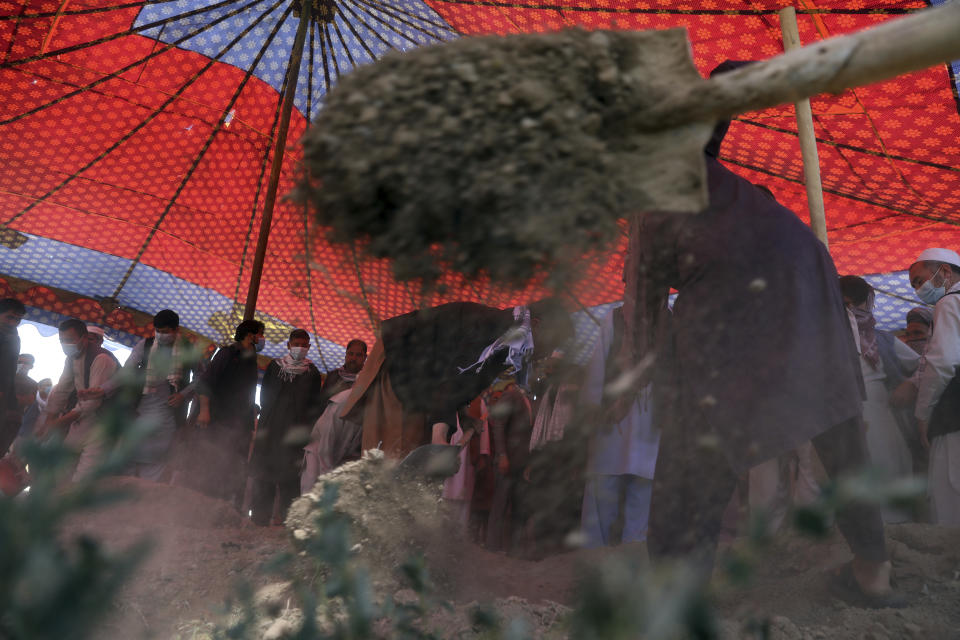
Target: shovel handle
(923, 39)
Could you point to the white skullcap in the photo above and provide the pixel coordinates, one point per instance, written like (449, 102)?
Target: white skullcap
(92, 328)
(939, 255)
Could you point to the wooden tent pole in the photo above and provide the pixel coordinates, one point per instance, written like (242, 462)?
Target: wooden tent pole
(808, 139)
(293, 73)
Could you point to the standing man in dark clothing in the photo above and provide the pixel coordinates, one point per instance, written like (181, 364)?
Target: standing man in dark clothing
(764, 361)
(289, 399)
(11, 313)
(226, 417)
(343, 378)
(24, 385)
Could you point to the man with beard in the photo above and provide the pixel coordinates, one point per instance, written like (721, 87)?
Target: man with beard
(935, 276)
(334, 440)
(343, 378)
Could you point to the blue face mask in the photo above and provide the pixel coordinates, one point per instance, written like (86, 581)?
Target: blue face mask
(260, 343)
(70, 349)
(929, 293)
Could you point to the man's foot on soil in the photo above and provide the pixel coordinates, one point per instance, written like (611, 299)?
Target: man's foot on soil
(846, 585)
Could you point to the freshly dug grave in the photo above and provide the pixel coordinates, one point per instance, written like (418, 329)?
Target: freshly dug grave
(202, 550)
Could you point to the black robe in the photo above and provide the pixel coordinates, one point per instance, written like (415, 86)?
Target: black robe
(286, 405)
(425, 351)
(764, 353)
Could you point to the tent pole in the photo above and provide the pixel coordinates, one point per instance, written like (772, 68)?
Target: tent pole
(808, 139)
(270, 199)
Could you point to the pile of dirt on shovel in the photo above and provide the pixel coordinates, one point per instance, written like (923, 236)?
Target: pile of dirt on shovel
(203, 548)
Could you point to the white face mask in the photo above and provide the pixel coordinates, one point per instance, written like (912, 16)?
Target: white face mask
(298, 353)
(22, 369)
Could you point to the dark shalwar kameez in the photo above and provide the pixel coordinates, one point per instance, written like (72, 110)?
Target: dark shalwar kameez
(764, 358)
(288, 403)
(9, 418)
(218, 453)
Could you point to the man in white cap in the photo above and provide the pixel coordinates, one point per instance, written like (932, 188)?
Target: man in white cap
(936, 278)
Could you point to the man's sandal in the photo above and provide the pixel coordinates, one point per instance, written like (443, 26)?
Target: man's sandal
(843, 585)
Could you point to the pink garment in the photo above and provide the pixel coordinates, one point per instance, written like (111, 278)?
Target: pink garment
(460, 485)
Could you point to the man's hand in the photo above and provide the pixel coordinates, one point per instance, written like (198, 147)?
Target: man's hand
(93, 393)
(53, 422)
(904, 396)
(922, 428)
(175, 400)
(203, 417)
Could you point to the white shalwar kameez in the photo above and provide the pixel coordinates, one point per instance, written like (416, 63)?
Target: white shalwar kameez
(83, 435)
(621, 460)
(941, 361)
(888, 450)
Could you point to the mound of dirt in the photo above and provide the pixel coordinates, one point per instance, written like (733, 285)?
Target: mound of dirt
(392, 518)
(202, 548)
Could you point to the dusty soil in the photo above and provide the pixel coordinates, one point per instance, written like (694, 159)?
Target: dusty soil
(203, 547)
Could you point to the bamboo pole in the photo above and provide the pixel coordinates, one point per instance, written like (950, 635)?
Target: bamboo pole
(892, 48)
(293, 73)
(808, 138)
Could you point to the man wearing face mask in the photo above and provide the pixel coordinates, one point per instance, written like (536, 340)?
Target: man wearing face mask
(289, 398)
(918, 330)
(87, 369)
(11, 312)
(916, 335)
(157, 373)
(224, 426)
(936, 278)
(885, 363)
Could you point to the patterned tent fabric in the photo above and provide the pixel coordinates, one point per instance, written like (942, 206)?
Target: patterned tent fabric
(137, 137)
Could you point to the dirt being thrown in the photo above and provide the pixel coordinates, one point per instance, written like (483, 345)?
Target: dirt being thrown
(504, 156)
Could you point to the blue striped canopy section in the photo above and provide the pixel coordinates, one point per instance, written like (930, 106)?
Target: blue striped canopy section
(258, 35)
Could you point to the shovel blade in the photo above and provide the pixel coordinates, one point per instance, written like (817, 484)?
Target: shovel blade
(431, 461)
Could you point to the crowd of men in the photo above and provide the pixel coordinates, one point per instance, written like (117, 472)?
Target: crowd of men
(764, 378)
